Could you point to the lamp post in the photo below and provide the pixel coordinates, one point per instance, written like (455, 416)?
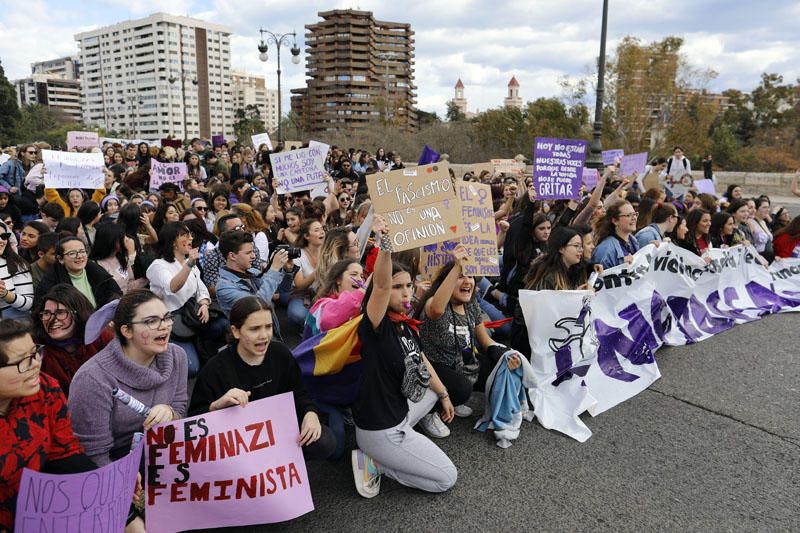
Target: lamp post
(172, 79)
(131, 100)
(278, 40)
(595, 157)
(386, 57)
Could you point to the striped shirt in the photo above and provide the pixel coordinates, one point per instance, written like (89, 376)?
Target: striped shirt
(21, 286)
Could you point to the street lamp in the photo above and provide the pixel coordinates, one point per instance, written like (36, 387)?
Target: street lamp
(386, 57)
(278, 40)
(132, 99)
(595, 157)
(172, 79)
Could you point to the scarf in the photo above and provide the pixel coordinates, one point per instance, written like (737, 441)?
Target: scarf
(398, 318)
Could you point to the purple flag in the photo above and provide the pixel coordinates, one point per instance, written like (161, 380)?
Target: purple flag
(428, 156)
(217, 140)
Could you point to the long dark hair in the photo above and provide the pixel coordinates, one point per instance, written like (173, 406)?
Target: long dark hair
(327, 286)
(551, 265)
(65, 294)
(605, 226)
(692, 221)
(126, 310)
(200, 233)
(792, 228)
(718, 221)
(110, 240)
(435, 284)
(242, 309)
(130, 217)
(525, 245)
(14, 263)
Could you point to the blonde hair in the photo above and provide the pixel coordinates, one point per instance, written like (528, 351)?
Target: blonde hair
(253, 222)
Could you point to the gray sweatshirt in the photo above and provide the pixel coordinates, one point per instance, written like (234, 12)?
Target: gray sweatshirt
(104, 425)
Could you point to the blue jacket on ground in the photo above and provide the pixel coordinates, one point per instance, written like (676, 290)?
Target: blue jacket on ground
(507, 399)
(648, 234)
(610, 252)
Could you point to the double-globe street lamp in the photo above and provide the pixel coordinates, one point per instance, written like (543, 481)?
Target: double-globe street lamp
(278, 40)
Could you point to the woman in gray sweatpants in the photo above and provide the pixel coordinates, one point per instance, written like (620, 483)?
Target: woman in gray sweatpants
(409, 457)
(398, 387)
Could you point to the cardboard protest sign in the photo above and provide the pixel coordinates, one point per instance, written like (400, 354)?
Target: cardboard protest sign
(477, 213)
(300, 170)
(73, 170)
(507, 166)
(419, 204)
(98, 500)
(261, 138)
(233, 467)
(292, 145)
(433, 257)
(590, 176)
(706, 186)
(161, 173)
(633, 163)
(477, 168)
(82, 139)
(557, 170)
(610, 156)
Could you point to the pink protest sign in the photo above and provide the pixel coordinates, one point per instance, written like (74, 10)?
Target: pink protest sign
(233, 467)
(706, 186)
(82, 139)
(76, 503)
(161, 173)
(633, 163)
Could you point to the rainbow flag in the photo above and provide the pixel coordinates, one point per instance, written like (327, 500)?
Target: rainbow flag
(330, 363)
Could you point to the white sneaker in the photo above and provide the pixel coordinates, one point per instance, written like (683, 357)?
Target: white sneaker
(365, 474)
(463, 411)
(433, 426)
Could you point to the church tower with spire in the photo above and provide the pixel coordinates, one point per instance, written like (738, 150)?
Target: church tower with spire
(513, 99)
(459, 100)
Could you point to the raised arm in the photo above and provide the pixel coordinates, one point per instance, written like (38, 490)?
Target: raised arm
(594, 201)
(381, 276)
(436, 304)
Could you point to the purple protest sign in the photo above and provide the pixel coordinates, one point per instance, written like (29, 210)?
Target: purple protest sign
(590, 177)
(610, 156)
(633, 163)
(557, 170)
(233, 467)
(161, 173)
(98, 500)
(217, 140)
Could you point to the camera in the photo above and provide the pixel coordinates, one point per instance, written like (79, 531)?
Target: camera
(293, 251)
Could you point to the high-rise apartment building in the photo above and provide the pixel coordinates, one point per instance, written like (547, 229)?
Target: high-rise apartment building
(63, 95)
(361, 72)
(66, 68)
(158, 76)
(250, 89)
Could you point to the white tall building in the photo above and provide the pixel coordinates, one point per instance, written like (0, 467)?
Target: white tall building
(66, 68)
(53, 91)
(250, 89)
(158, 76)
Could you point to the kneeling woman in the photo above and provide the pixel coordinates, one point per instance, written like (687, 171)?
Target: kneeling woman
(398, 388)
(252, 367)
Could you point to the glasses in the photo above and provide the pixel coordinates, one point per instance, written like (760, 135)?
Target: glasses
(630, 215)
(59, 314)
(155, 322)
(240, 227)
(30, 153)
(26, 363)
(344, 199)
(5, 236)
(75, 254)
(201, 208)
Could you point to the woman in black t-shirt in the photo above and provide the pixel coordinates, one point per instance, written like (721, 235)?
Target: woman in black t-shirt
(398, 387)
(253, 367)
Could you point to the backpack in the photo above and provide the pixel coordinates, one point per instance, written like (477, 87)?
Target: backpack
(669, 164)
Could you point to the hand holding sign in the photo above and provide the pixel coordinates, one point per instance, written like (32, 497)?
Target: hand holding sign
(460, 254)
(310, 429)
(235, 396)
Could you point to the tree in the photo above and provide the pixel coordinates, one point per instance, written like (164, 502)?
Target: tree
(41, 123)
(248, 122)
(424, 118)
(454, 114)
(9, 110)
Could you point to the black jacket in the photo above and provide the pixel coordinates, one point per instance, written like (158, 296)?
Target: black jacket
(104, 288)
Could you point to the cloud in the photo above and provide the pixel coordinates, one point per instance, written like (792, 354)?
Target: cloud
(483, 43)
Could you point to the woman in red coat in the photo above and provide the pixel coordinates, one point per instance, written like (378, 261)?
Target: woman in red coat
(59, 323)
(787, 240)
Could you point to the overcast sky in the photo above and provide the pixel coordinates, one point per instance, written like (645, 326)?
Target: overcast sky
(483, 43)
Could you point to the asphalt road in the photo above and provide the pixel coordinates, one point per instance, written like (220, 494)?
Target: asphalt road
(714, 445)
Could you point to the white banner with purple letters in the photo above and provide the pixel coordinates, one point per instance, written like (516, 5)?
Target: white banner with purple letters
(592, 351)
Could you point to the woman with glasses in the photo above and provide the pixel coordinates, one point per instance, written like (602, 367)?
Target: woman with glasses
(561, 268)
(59, 324)
(16, 282)
(141, 362)
(614, 236)
(664, 217)
(343, 215)
(35, 427)
(74, 268)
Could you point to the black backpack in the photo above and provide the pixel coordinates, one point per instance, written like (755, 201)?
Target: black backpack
(669, 164)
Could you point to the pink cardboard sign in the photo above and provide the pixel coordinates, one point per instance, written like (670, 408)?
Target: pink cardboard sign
(161, 173)
(633, 163)
(98, 500)
(706, 186)
(233, 467)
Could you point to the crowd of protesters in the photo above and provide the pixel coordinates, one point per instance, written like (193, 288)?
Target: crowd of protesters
(170, 273)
